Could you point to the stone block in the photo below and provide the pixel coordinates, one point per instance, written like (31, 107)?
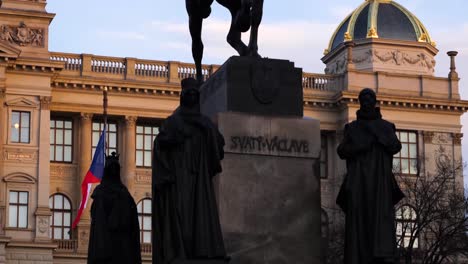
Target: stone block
(269, 195)
(256, 86)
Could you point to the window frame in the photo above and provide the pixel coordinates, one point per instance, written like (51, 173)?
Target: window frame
(402, 221)
(408, 158)
(63, 145)
(143, 150)
(18, 205)
(141, 216)
(108, 149)
(20, 126)
(62, 211)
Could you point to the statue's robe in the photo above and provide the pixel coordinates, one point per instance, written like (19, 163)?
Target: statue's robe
(369, 191)
(115, 233)
(187, 154)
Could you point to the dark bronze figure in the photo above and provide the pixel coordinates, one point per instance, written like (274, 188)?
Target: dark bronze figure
(115, 233)
(369, 191)
(246, 14)
(187, 155)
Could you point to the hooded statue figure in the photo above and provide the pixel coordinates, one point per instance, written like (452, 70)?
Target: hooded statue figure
(187, 155)
(369, 191)
(115, 232)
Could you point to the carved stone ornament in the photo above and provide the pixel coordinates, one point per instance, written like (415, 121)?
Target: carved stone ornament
(43, 224)
(45, 102)
(457, 138)
(86, 116)
(143, 176)
(338, 66)
(428, 135)
(62, 172)
(265, 86)
(402, 58)
(442, 138)
(130, 121)
(22, 35)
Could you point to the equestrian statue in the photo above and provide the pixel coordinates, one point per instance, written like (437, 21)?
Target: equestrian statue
(246, 14)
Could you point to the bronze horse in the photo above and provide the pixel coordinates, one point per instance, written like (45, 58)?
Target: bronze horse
(246, 14)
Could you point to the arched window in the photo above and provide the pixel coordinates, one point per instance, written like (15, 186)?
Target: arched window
(60, 220)
(406, 223)
(144, 218)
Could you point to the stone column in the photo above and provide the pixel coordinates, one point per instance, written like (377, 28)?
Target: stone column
(43, 212)
(128, 173)
(453, 76)
(349, 58)
(85, 162)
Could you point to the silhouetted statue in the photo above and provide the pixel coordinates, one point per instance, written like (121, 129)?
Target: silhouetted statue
(115, 233)
(369, 191)
(187, 155)
(246, 14)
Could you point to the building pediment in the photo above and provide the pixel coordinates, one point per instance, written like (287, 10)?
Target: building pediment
(8, 51)
(22, 102)
(19, 177)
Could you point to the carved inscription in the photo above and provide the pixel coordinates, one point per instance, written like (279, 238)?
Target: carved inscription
(263, 144)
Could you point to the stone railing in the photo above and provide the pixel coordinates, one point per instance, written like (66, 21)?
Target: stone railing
(146, 248)
(322, 82)
(115, 68)
(66, 245)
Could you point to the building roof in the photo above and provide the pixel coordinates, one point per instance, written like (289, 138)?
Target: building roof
(383, 19)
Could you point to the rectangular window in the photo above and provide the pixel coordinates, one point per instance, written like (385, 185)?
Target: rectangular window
(323, 156)
(18, 209)
(20, 126)
(61, 140)
(111, 136)
(406, 161)
(145, 136)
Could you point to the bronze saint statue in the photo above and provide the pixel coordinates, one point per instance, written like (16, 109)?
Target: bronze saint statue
(369, 191)
(187, 154)
(115, 233)
(246, 14)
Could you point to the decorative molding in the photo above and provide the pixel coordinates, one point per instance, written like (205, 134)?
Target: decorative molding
(60, 172)
(428, 136)
(338, 66)
(19, 177)
(130, 121)
(23, 35)
(457, 138)
(22, 102)
(43, 224)
(45, 102)
(401, 58)
(86, 116)
(143, 176)
(21, 155)
(442, 139)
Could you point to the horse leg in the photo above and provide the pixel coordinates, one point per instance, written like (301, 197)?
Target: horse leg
(195, 26)
(256, 19)
(234, 37)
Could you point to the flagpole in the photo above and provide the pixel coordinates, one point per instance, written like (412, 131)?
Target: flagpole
(104, 105)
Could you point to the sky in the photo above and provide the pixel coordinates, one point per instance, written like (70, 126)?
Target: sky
(298, 30)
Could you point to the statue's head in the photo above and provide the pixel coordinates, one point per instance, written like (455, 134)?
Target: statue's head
(190, 96)
(367, 99)
(112, 168)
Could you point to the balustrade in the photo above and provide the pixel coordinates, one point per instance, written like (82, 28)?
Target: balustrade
(66, 245)
(160, 71)
(146, 248)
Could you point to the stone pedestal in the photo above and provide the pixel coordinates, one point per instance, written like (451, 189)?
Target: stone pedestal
(254, 86)
(269, 190)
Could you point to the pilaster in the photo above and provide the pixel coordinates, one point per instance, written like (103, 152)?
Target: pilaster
(43, 212)
(129, 167)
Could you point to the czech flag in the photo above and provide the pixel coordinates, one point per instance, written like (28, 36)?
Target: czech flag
(94, 175)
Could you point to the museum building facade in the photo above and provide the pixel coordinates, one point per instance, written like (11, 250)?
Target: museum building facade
(51, 118)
